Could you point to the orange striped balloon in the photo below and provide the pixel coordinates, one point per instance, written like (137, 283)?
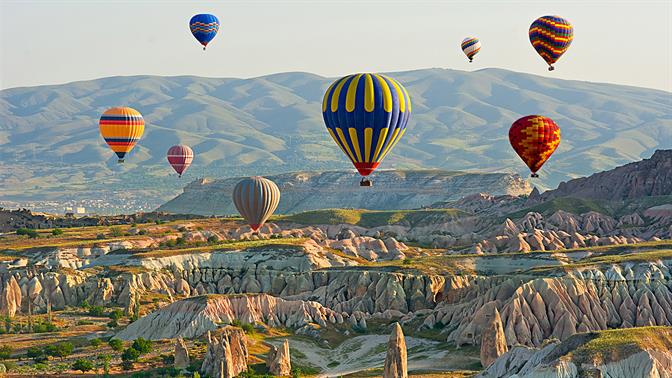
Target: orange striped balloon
(121, 128)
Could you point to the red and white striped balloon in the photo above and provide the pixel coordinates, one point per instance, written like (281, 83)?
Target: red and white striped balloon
(180, 158)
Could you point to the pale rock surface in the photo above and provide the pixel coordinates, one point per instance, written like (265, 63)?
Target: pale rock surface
(227, 353)
(493, 341)
(181, 354)
(279, 362)
(396, 365)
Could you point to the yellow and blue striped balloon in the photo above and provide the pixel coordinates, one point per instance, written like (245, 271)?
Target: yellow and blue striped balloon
(366, 115)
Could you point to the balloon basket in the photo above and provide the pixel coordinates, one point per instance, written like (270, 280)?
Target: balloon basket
(534, 175)
(120, 161)
(551, 68)
(366, 182)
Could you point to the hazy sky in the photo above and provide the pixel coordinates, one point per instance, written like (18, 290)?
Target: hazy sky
(49, 42)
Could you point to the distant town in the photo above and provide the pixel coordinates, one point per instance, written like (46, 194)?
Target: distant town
(111, 205)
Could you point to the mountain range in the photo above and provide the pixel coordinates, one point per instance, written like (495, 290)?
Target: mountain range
(50, 146)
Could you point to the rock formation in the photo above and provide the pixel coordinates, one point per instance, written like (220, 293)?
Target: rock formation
(226, 355)
(278, 362)
(395, 361)
(181, 354)
(493, 341)
(394, 190)
(10, 296)
(195, 316)
(650, 357)
(649, 177)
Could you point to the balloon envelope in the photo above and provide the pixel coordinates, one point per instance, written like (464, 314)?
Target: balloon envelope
(256, 198)
(366, 115)
(204, 27)
(121, 128)
(551, 37)
(471, 46)
(534, 138)
(180, 157)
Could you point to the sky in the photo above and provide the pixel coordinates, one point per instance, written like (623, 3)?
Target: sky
(53, 42)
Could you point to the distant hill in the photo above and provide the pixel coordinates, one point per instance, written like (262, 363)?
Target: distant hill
(50, 146)
(392, 190)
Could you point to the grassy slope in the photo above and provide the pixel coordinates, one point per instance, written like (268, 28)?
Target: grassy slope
(616, 344)
(371, 218)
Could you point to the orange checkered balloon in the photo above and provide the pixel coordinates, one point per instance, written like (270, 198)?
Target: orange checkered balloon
(534, 138)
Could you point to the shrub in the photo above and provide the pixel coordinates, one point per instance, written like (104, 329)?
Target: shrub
(6, 352)
(179, 241)
(127, 365)
(212, 239)
(130, 354)
(248, 328)
(44, 327)
(236, 323)
(95, 342)
(112, 324)
(96, 311)
(61, 350)
(115, 314)
(85, 304)
(84, 322)
(407, 261)
(142, 232)
(82, 365)
(100, 236)
(116, 344)
(33, 352)
(141, 345)
(134, 225)
(28, 232)
(57, 231)
(116, 231)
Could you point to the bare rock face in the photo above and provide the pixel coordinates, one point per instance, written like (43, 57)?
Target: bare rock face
(493, 341)
(10, 297)
(181, 354)
(302, 191)
(195, 316)
(279, 363)
(226, 356)
(395, 362)
(649, 177)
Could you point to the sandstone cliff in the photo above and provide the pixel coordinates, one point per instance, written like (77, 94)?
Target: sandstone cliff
(396, 364)
(226, 355)
(197, 315)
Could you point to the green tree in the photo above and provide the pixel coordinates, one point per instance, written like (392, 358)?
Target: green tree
(33, 352)
(85, 304)
(115, 314)
(82, 365)
(141, 345)
(57, 231)
(96, 311)
(130, 354)
(105, 359)
(116, 344)
(96, 342)
(27, 231)
(60, 350)
(6, 351)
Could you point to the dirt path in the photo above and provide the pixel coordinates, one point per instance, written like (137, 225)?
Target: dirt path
(368, 351)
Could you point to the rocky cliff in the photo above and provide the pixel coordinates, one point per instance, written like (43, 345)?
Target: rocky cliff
(649, 177)
(639, 352)
(340, 189)
(195, 316)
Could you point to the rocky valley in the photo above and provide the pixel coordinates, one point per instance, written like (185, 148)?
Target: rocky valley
(494, 285)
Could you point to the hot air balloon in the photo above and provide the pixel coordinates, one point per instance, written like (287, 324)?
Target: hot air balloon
(534, 138)
(180, 158)
(121, 128)
(471, 46)
(256, 198)
(366, 115)
(551, 37)
(204, 27)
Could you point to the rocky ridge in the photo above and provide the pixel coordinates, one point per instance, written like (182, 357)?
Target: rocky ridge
(304, 191)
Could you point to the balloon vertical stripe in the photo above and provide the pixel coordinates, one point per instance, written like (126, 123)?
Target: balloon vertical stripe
(256, 198)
